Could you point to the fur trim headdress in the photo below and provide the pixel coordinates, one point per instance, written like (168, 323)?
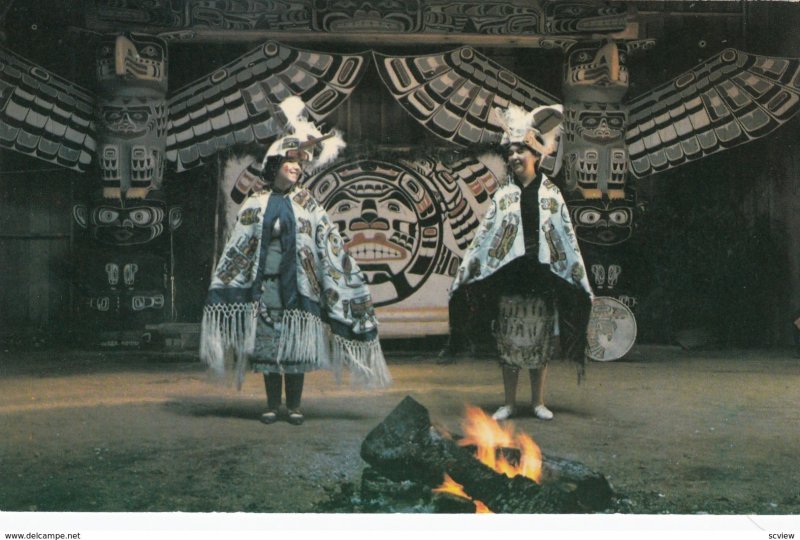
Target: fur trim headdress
(303, 140)
(539, 129)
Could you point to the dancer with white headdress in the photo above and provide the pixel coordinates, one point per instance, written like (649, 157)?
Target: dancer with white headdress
(527, 235)
(286, 298)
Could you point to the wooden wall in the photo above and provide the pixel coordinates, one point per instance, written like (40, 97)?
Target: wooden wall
(35, 240)
(760, 180)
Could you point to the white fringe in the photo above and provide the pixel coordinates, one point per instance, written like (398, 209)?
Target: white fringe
(303, 339)
(364, 360)
(228, 335)
(226, 329)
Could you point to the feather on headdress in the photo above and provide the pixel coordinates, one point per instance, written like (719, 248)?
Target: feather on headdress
(539, 129)
(303, 139)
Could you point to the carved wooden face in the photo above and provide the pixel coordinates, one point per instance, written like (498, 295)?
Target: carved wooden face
(132, 57)
(600, 222)
(131, 114)
(128, 222)
(595, 156)
(131, 143)
(596, 71)
(366, 15)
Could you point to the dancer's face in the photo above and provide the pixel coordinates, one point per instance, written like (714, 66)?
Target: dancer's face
(522, 162)
(289, 174)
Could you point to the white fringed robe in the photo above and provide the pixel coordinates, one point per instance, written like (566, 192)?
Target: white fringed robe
(328, 320)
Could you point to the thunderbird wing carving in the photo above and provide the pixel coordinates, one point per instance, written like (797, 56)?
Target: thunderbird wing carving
(44, 115)
(452, 93)
(731, 99)
(237, 104)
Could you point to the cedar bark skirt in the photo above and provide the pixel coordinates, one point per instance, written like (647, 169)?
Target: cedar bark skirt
(525, 330)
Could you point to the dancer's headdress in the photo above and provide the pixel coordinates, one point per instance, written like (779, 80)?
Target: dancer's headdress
(539, 129)
(303, 140)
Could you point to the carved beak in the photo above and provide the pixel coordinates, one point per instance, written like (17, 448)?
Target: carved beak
(124, 49)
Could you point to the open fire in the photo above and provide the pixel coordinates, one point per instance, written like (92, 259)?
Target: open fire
(489, 468)
(493, 443)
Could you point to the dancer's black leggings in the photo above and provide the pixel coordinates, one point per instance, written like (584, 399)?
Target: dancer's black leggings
(294, 390)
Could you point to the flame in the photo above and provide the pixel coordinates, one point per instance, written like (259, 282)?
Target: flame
(490, 438)
(454, 488)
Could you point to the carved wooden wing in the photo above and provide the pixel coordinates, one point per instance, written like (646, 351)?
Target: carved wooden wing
(237, 104)
(453, 93)
(44, 115)
(730, 99)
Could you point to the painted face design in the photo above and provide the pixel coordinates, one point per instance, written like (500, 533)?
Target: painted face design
(366, 15)
(379, 227)
(596, 158)
(388, 222)
(596, 71)
(602, 223)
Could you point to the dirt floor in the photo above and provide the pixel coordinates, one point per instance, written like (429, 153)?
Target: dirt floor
(673, 431)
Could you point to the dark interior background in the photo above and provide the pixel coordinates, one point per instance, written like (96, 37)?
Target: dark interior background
(717, 241)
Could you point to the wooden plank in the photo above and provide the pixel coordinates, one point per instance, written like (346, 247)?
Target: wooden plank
(38, 253)
(200, 35)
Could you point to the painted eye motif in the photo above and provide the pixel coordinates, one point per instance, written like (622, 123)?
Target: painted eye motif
(142, 216)
(138, 116)
(394, 207)
(582, 57)
(589, 217)
(344, 207)
(590, 122)
(392, 5)
(618, 217)
(615, 121)
(112, 115)
(149, 51)
(106, 216)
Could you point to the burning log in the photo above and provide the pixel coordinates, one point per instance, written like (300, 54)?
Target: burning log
(405, 446)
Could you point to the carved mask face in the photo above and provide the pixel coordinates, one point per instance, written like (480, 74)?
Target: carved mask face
(596, 157)
(602, 223)
(127, 121)
(127, 222)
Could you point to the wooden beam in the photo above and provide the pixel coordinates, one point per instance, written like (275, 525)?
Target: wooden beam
(203, 35)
